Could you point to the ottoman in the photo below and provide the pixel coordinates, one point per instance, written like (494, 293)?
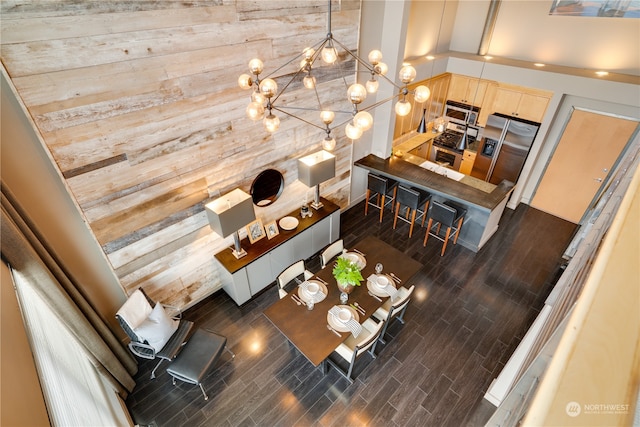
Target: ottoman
(197, 356)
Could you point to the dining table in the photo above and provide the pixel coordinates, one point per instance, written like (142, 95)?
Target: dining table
(308, 329)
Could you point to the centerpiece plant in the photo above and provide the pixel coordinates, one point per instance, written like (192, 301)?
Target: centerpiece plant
(347, 274)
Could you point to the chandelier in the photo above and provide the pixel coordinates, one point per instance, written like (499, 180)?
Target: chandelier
(266, 101)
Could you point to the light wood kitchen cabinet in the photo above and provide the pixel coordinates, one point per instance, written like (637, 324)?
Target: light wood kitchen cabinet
(468, 159)
(432, 107)
(520, 102)
(467, 90)
(487, 105)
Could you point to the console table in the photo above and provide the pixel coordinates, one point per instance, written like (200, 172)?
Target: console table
(245, 277)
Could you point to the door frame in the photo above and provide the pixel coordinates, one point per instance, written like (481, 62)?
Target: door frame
(556, 129)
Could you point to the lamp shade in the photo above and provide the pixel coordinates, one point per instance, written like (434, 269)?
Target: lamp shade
(229, 213)
(316, 168)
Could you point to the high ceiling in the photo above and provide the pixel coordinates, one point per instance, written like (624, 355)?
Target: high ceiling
(525, 31)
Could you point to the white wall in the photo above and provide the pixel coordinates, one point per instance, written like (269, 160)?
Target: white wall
(430, 27)
(524, 30)
(28, 172)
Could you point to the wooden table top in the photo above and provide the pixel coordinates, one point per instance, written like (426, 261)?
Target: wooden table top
(307, 329)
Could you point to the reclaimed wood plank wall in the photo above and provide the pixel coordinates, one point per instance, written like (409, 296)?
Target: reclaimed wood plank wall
(138, 104)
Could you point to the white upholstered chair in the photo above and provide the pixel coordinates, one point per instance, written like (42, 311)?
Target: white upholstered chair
(352, 348)
(395, 308)
(152, 332)
(295, 270)
(331, 251)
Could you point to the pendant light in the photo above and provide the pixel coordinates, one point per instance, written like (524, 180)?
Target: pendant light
(266, 103)
(422, 127)
(462, 145)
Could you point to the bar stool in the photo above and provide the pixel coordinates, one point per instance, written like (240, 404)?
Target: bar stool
(415, 201)
(448, 214)
(380, 188)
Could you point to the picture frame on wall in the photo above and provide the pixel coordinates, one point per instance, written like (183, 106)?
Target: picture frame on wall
(272, 230)
(596, 8)
(255, 231)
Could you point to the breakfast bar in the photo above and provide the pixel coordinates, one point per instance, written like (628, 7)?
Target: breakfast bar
(485, 204)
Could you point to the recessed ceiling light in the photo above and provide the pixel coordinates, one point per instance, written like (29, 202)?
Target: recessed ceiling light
(602, 73)
(431, 57)
(539, 64)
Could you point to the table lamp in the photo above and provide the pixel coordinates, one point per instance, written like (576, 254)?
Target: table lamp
(229, 213)
(315, 169)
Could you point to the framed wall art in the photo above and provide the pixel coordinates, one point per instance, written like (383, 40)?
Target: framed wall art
(272, 229)
(596, 8)
(255, 231)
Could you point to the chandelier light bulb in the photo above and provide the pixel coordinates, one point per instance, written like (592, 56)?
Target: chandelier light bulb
(421, 93)
(375, 56)
(353, 132)
(329, 143)
(327, 116)
(271, 122)
(256, 66)
(268, 87)
(256, 96)
(356, 93)
(244, 81)
(403, 108)
(381, 68)
(329, 54)
(309, 82)
(363, 120)
(308, 53)
(372, 85)
(407, 74)
(255, 111)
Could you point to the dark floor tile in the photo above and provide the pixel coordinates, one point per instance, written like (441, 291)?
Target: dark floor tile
(436, 393)
(468, 313)
(448, 401)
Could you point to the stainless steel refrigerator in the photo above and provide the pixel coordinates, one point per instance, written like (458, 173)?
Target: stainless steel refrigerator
(504, 147)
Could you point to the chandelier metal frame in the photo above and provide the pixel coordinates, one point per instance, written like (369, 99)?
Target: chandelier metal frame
(265, 92)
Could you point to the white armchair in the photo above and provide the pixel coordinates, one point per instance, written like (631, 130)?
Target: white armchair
(152, 332)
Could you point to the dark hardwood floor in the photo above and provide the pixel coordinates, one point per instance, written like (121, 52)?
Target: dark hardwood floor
(468, 313)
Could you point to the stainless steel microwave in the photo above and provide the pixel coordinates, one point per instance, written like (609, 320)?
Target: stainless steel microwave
(460, 113)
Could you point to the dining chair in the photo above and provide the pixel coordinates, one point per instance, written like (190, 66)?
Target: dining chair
(290, 273)
(414, 201)
(383, 190)
(352, 348)
(331, 251)
(393, 309)
(447, 214)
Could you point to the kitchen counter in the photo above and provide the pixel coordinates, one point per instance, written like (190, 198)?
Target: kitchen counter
(485, 205)
(413, 140)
